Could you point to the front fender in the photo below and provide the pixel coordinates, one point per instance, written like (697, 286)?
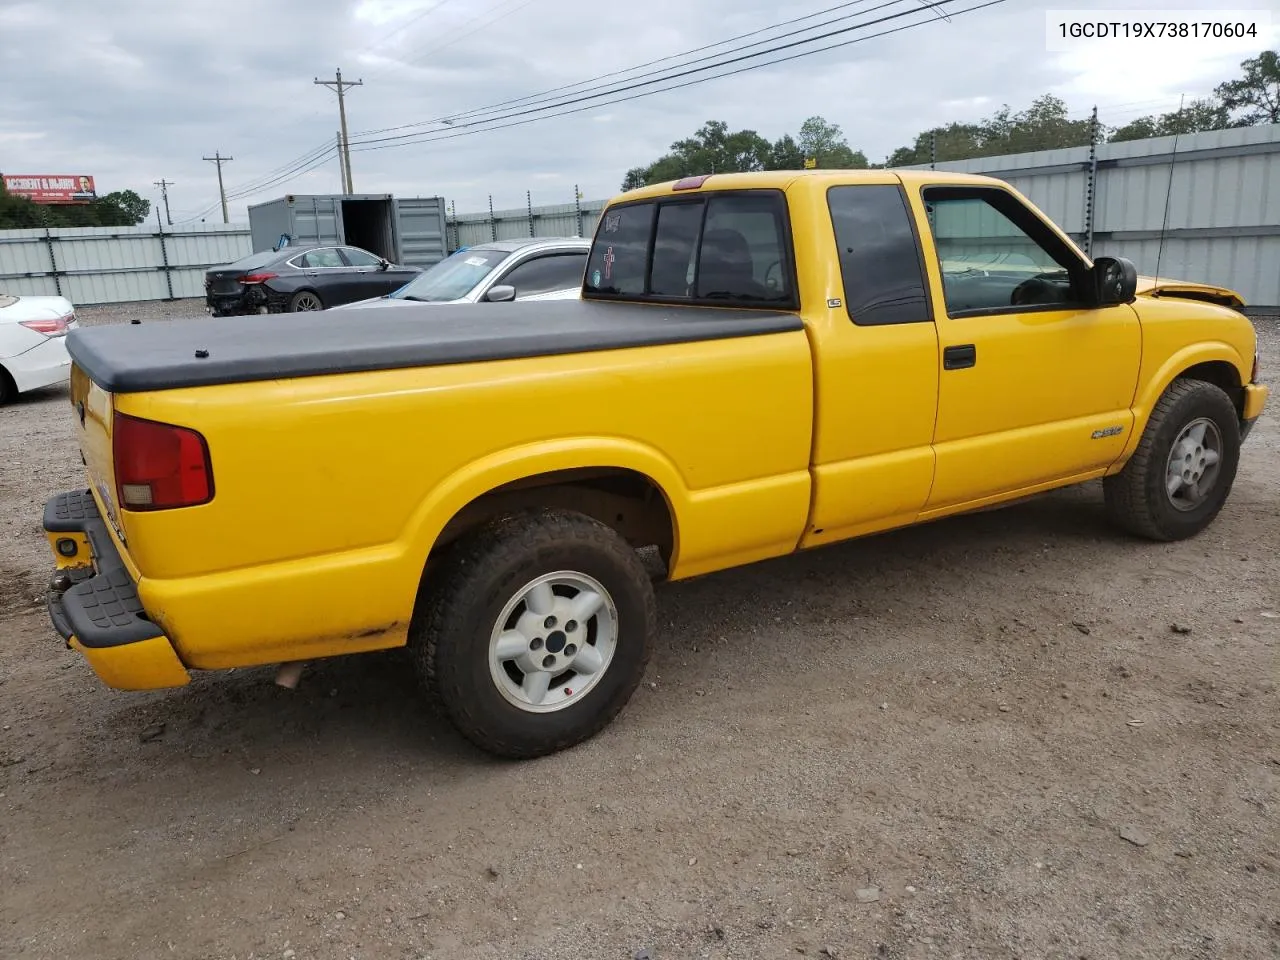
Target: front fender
(1149, 393)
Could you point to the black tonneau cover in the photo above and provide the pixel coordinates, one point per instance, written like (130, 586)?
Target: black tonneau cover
(130, 358)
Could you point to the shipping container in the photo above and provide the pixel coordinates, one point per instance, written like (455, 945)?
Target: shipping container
(409, 231)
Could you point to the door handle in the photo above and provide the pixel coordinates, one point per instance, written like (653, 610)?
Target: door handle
(960, 356)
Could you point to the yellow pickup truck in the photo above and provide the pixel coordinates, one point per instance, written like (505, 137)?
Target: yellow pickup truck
(759, 364)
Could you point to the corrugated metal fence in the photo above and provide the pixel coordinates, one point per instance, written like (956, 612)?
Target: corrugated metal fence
(116, 264)
(560, 220)
(1216, 198)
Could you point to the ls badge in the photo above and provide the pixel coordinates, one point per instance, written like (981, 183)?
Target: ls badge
(1107, 432)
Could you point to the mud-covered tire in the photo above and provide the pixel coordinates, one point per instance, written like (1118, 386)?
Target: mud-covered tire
(456, 628)
(1137, 498)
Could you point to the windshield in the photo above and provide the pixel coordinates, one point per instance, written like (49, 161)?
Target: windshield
(453, 277)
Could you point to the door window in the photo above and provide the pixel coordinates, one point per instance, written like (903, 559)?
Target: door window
(879, 256)
(326, 257)
(996, 256)
(543, 274)
(359, 258)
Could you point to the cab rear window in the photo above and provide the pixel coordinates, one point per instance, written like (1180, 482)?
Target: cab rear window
(719, 248)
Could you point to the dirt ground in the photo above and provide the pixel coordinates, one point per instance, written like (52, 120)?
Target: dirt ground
(932, 743)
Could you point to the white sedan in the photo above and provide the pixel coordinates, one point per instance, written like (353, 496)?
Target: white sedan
(528, 268)
(33, 348)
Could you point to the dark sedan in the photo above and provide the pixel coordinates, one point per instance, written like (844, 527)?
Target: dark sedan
(293, 279)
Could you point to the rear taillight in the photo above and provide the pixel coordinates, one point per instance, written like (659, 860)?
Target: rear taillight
(50, 328)
(159, 466)
(257, 277)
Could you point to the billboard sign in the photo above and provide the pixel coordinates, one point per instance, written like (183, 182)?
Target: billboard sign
(51, 188)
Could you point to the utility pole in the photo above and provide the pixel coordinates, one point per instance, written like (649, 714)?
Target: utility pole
(219, 159)
(341, 86)
(164, 186)
(342, 164)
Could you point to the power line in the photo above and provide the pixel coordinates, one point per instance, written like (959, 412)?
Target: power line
(669, 75)
(300, 166)
(491, 124)
(341, 86)
(455, 38)
(254, 184)
(218, 159)
(423, 54)
(404, 26)
(291, 174)
(537, 97)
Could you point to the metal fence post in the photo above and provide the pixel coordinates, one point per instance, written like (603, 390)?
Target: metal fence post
(453, 207)
(1091, 184)
(933, 149)
(577, 208)
(164, 256)
(493, 225)
(528, 203)
(53, 260)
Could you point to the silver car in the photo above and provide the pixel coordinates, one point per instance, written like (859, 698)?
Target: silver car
(533, 268)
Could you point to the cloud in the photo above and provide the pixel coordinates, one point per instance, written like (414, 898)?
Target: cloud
(148, 89)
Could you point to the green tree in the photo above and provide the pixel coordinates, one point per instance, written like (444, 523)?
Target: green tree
(713, 149)
(786, 154)
(1194, 117)
(1256, 95)
(955, 141)
(825, 143)
(635, 178)
(124, 207)
(1044, 125)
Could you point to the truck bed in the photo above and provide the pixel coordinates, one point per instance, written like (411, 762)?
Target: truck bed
(202, 352)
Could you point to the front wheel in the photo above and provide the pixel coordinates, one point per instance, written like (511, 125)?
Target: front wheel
(1178, 479)
(536, 633)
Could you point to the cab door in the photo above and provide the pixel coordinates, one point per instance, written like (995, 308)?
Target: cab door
(1035, 384)
(875, 356)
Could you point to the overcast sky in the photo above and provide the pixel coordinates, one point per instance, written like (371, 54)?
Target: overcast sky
(130, 91)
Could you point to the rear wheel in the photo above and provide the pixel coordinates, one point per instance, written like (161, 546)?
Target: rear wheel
(8, 389)
(1179, 478)
(305, 300)
(537, 632)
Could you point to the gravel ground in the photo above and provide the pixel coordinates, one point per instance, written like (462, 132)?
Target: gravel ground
(978, 738)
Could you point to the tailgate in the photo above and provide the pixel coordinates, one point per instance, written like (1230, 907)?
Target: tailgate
(93, 408)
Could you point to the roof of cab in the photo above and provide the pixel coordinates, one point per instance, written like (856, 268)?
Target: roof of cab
(783, 179)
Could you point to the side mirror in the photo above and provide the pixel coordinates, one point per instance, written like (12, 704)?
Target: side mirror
(384, 263)
(500, 293)
(1115, 280)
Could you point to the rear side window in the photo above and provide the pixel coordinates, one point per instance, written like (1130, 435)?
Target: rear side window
(880, 260)
(619, 255)
(722, 248)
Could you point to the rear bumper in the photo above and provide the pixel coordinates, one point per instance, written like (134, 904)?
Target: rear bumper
(43, 365)
(93, 601)
(249, 299)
